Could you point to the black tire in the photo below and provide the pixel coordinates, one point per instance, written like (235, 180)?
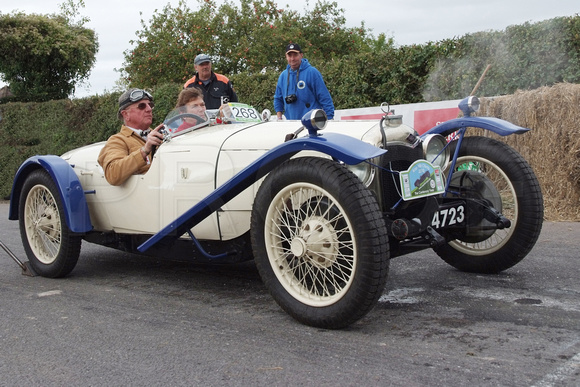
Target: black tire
(333, 280)
(52, 249)
(515, 191)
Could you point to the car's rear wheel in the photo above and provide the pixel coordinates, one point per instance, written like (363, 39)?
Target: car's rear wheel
(53, 250)
(320, 242)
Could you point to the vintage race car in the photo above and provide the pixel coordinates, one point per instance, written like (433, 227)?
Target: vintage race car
(320, 211)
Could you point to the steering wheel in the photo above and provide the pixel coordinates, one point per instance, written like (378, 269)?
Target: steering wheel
(198, 119)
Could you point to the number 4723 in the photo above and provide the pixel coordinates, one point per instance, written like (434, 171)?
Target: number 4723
(448, 217)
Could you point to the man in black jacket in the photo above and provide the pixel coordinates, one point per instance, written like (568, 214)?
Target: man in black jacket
(217, 88)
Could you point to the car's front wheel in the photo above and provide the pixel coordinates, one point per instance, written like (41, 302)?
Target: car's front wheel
(490, 170)
(320, 242)
(53, 250)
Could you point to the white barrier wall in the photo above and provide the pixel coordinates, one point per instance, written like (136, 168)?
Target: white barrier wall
(420, 116)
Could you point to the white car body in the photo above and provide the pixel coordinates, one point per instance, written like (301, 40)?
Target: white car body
(183, 172)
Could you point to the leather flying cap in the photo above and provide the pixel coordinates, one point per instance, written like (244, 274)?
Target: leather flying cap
(130, 97)
(293, 47)
(201, 58)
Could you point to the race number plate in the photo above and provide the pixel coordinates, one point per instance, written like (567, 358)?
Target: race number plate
(244, 113)
(449, 216)
(420, 180)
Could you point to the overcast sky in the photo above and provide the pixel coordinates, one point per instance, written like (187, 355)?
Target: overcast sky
(407, 21)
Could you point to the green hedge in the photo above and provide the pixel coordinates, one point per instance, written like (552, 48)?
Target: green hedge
(58, 126)
(54, 127)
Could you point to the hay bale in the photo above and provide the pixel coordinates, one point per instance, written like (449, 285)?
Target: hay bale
(552, 147)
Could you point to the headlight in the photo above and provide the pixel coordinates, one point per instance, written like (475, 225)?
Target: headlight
(364, 171)
(314, 121)
(469, 105)
(434, 150)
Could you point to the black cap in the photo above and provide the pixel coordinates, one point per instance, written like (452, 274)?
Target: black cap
(293, 47)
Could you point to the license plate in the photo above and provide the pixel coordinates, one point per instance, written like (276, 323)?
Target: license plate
(448, 216)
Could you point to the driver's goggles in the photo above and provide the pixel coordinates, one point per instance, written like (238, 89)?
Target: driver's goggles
(136, 96)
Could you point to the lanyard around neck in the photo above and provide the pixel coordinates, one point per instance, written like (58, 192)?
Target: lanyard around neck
(288, 79)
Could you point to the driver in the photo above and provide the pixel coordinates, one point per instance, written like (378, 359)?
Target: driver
(130, 151)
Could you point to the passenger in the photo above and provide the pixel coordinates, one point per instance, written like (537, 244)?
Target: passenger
(217, 88)
(300, 88)
(190, 100)
(131, 150)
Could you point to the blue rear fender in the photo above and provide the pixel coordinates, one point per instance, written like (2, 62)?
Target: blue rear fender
(496, 125)
(69, 187)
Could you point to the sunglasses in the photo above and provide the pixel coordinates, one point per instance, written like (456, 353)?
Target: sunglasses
(143, 105)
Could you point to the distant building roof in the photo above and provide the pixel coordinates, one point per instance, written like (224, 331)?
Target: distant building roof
(5, 92)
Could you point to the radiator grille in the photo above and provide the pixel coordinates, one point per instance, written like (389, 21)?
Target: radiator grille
(398, 158)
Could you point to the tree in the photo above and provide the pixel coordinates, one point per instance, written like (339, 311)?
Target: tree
(246, 42)
(246, 39)
(43, 57)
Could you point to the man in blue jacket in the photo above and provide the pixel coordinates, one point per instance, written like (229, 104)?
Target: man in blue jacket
(300, 88)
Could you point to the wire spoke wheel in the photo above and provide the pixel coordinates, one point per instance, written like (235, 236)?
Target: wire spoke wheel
(311, 244)
(490, 170)
(43, 228)
(53, 250)
(504, 198)
(320, 242)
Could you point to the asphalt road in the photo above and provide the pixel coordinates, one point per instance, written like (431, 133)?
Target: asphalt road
(122, 319)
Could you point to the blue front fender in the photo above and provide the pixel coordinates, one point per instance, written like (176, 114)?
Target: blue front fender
(69, 187)
(341, 147)
(496, 125)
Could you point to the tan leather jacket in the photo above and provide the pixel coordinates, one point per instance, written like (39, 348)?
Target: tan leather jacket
(121, 156)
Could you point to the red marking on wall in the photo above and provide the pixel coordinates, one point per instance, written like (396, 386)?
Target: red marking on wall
(426, 119)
